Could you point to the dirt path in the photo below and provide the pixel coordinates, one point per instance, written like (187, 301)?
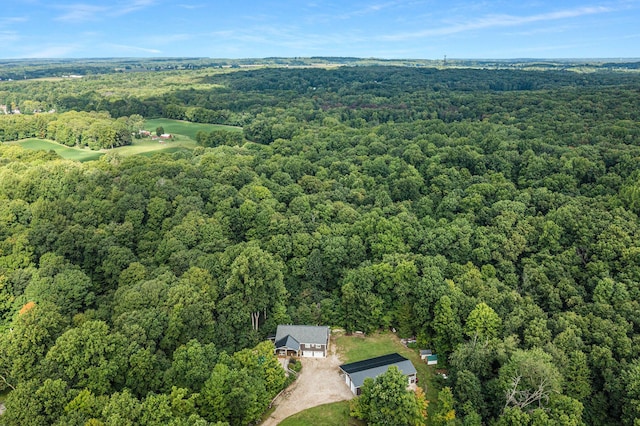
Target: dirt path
(319, 383)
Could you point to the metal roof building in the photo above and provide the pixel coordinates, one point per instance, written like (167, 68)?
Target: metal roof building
(356, 372)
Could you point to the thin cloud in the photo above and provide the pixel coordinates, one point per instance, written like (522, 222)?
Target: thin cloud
(9, 36)
(80, 12)
(495, 21)
(12, 20)
(192, 6)
(132, 6)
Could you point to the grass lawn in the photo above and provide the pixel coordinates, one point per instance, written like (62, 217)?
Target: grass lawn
(77, 154)
(184, 139)
(184, 127)
(333, 414)
(147, 146)
(357, 348)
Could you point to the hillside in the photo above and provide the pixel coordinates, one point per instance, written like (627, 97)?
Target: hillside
(492, 214)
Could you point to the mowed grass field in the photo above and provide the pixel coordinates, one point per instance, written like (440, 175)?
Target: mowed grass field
(333, 414)
(184, 139)
(184, 127)
(76, 154)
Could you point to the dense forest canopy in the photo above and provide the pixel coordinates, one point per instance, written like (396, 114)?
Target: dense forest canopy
(493, 214)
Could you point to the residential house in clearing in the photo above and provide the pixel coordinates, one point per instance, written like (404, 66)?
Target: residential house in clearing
(302, 340)
(355, 373)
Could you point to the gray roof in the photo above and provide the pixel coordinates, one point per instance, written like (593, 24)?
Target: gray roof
(358, 371)
(425, 352)
(318, 335)
(288, 342)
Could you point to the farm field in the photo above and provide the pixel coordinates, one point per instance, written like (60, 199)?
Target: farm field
(185, 128)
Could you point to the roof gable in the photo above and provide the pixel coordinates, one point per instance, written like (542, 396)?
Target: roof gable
(318, 335)
(288, 342)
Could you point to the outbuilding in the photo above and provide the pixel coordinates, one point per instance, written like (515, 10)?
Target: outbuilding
(355, 373)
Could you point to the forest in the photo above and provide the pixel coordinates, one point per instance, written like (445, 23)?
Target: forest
(490, 214)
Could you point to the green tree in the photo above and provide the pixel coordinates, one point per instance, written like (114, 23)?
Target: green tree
(386, 400)
(191, 366)
(446, 325)
(89, 357)
(159, 130)
(445, 413)
(34, 404)
(483, 322)
(257, 277)
(34, 330)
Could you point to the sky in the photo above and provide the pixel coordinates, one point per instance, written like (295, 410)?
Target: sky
(393, 29)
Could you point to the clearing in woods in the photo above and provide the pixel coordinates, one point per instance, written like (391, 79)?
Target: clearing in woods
(183, 131)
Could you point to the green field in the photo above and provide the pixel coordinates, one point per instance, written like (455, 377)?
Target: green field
(76, 154)
(184, 139)
(333, 414)
(185, 128)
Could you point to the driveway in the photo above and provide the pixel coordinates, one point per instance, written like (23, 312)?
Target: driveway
(319, 383)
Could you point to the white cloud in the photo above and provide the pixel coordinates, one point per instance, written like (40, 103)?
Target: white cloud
(495, 21)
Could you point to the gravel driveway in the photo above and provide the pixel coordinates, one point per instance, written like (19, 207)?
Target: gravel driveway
(319, 383)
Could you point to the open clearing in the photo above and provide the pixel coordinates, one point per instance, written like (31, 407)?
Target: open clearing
(336, 413)
(184, 127)
(76, 154)
(319, 383)
(183, 131)
(302, 400)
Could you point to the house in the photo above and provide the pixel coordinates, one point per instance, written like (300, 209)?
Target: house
(356, 372)
(166, 136)
(424, 353)
(302, 340)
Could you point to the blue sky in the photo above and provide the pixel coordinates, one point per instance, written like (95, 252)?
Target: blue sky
(423, 29)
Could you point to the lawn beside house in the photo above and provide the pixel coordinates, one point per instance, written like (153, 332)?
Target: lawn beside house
(333, 414)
